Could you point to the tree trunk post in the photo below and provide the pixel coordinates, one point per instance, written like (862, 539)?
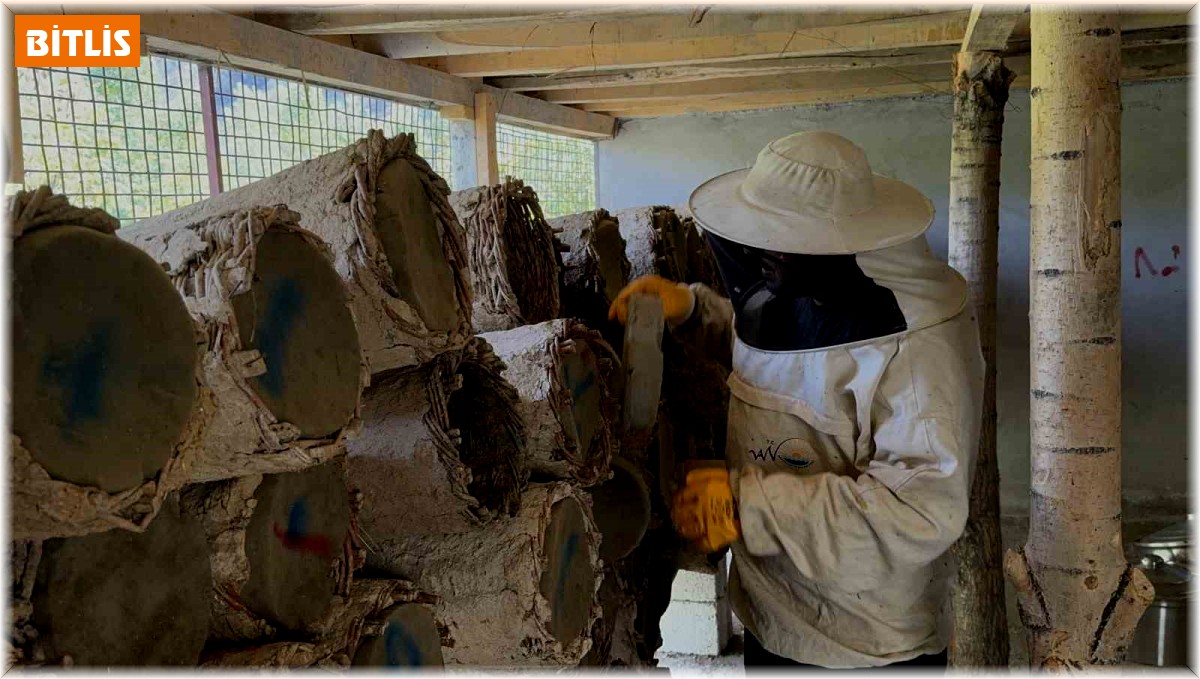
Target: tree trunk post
(1078, 597)
(980, 93)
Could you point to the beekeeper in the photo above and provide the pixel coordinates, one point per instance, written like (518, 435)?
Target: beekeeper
(854, 407)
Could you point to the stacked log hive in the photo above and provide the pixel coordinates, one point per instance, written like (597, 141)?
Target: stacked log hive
(564, 375)
(275, 369)
(701, 263)
(116, 598)
(97, 326)
(330, 410)
(621, 507)
(691, 419)
(442, 447)
(379, 623)
(522, 592)
(283, 359)
(655, 242)
(595, 268)
(395, 241)
(514, 257)
(274, 541)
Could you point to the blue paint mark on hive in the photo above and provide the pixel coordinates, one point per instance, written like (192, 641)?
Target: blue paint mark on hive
(80, 374)
(401, 649)
(285, 306)
(297, 524)
(578, 389)
(566, 555)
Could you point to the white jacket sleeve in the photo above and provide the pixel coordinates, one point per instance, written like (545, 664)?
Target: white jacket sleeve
(907, 507)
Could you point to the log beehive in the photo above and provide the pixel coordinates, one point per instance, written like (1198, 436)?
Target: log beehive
(518, 592)
(394, 238)
(283, 360)
(564, 373)
(378, 623)
(514, 255)
(274, 544)
(595, 267)
(441, 448)
(121, 598)
(107, 407)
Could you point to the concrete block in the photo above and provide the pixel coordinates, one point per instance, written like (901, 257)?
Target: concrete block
(696, 628)
(700, 587)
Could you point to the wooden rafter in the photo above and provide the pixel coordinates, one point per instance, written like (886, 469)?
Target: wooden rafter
(1141, 63)
(217, 37)
(923, 31)
(624, 31)
(420, 20)
(991, 26)
(915, 56)
(794, 82)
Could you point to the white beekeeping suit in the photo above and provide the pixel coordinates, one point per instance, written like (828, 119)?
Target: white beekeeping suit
(850, 462)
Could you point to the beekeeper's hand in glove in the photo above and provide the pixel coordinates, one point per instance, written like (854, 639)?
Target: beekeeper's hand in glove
(704, 512)
(677, 298)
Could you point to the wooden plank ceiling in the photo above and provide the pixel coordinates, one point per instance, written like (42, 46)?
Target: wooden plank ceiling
(631, 61)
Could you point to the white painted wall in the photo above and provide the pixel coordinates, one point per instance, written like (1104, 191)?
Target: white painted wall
(659, 161)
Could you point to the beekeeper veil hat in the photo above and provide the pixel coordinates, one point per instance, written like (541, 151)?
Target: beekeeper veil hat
(811, 193)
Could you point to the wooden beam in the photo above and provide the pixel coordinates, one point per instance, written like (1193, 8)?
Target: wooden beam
(746, 102)
(422, 21)
(1137, 61)
(217, 37)
(623, 30)
(934, 29)
(457, 112)
(1144, 64)
(901, 58)
(915, 56)
(487, 171)
(820, 81)
(223, 38)
(990, 27)
(13, 144)
(550, 117)
(654, 28)
(208, 117)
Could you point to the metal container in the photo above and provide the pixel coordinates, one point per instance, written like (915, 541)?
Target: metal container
(1162, 634)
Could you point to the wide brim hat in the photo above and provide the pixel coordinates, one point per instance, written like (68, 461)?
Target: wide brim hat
(811, 193)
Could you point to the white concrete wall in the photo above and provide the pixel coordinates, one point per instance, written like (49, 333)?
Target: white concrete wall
(659, 161)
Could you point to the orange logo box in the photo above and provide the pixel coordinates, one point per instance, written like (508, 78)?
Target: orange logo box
(77, 40)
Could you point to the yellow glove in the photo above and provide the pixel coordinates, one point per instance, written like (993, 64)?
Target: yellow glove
(676, 298)
(703, 510)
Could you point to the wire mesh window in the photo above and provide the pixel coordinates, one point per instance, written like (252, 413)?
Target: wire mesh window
(561, 169)
(126, 140)
(267, 124)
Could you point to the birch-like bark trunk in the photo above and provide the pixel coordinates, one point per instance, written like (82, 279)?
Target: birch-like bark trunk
(980, 93)
(1078, 597)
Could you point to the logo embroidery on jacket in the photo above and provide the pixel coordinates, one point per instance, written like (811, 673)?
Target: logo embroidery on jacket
(773, 452)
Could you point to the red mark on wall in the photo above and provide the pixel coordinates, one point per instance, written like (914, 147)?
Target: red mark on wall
(1140, 257)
